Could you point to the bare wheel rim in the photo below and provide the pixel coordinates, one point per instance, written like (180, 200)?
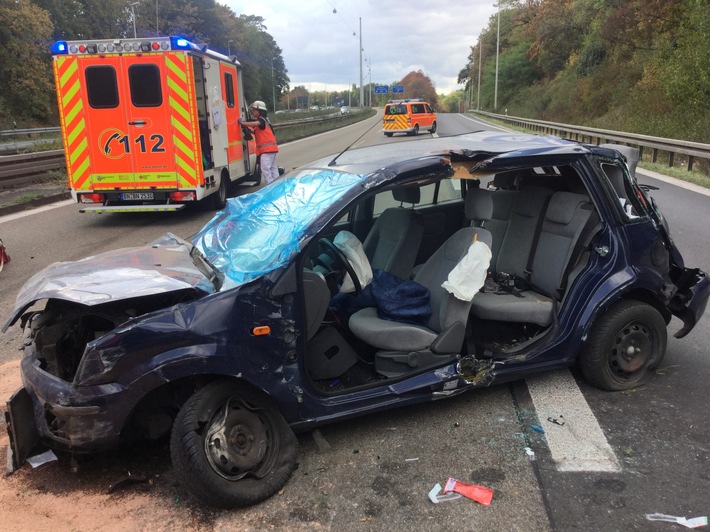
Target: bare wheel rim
(633, 349)
(239, 442)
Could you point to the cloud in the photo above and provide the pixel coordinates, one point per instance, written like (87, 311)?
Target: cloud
(320, 50)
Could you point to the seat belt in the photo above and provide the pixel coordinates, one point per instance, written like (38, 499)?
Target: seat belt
(536, 238)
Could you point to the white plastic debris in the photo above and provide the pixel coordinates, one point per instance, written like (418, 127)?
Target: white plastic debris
(468, 276)
(530, 453)
(41, 459)
(694, 522)
(436, 498)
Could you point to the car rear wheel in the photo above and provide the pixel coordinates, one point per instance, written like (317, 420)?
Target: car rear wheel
(625, 346)
(231, 447)
(415, 132)
(388, 134)
(433, 128)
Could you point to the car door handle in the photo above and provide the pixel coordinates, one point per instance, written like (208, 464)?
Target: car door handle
(137, 123)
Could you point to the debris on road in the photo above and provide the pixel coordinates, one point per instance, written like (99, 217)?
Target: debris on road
(694, 522)
(480, 494)
(41, 459)
(436, 498)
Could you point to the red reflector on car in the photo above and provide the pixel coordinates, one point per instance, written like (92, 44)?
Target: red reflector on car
(91, 198)
(82, 48)
(156, 46)
(182, 196)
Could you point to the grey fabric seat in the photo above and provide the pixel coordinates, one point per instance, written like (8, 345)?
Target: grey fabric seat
(405, 347)
(515, 250)
(503, 201)
(317, 297)
(565, 220)
(393, 242)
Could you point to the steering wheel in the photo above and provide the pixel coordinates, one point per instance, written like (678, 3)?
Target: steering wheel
(343, 261)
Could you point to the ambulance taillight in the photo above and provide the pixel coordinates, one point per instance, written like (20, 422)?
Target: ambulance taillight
(182, 196)
(91, 198)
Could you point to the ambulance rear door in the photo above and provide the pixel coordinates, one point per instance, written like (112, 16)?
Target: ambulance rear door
(128, 123)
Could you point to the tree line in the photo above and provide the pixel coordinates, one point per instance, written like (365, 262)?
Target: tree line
(29, 27)
(640, 66)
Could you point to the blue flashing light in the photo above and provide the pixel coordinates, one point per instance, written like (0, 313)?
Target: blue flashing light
(178, 43)
(60, 47)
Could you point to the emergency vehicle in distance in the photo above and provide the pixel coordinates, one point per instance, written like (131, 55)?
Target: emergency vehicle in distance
(151, 124)
(408, 116)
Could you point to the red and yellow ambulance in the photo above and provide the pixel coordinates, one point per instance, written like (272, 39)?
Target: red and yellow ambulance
(150, 124)
(408, 116)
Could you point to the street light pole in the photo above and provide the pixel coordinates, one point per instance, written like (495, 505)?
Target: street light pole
(495, 92)
(480, 55)
(273, 85)
(362, 91)
(133, 16)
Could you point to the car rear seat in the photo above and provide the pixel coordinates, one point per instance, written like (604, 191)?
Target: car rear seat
(516, 244)
(566, 218)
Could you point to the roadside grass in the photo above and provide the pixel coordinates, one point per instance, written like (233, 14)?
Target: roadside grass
(26, 198)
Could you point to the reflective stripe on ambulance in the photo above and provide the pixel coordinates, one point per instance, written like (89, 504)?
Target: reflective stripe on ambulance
(183, 119)
(71, 115)
(396, 123)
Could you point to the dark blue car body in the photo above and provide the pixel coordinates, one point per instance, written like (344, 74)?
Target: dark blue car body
(102, 369)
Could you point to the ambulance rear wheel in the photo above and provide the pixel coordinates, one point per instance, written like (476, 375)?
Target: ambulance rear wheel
(415, 132)
(219, 198)
(388, 134)
(433, 128)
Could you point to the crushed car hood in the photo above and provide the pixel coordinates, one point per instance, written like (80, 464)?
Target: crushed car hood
(165, 265)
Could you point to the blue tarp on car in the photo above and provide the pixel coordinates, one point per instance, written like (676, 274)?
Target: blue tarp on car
(260, 232)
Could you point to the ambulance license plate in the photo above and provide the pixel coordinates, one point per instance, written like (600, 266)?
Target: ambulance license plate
(137, 196)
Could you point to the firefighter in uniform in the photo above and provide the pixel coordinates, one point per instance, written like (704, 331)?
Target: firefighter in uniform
(266, 147)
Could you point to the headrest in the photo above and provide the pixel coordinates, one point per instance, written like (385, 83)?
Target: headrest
(407, 194)
(479, 204)
(505, 180)
(562, 206)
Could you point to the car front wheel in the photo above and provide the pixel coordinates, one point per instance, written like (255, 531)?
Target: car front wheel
(231, 447)
(625, 346)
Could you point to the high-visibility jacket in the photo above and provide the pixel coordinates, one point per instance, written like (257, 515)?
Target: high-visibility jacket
(265, 139)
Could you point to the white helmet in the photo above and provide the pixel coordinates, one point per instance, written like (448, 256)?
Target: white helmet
(258, 104)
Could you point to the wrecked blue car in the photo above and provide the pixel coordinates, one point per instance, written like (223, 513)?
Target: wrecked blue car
(263, 325)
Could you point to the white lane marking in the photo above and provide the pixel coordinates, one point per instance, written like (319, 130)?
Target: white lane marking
(30, 212)
(579, 444)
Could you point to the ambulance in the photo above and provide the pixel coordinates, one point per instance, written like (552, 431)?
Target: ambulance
(151, 124)
(408, 116)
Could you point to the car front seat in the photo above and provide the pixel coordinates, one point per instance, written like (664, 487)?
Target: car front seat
(393, 242)
(404, 347)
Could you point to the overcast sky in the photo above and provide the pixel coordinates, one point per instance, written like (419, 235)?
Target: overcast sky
(398, 36)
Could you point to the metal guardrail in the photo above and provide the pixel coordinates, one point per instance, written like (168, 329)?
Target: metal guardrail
(30, 131)
(672, 147)
(16, 170)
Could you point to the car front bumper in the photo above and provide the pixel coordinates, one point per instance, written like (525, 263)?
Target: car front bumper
(64, 416)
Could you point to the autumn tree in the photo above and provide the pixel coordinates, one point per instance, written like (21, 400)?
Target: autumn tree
(418, 85)
(26, 88)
